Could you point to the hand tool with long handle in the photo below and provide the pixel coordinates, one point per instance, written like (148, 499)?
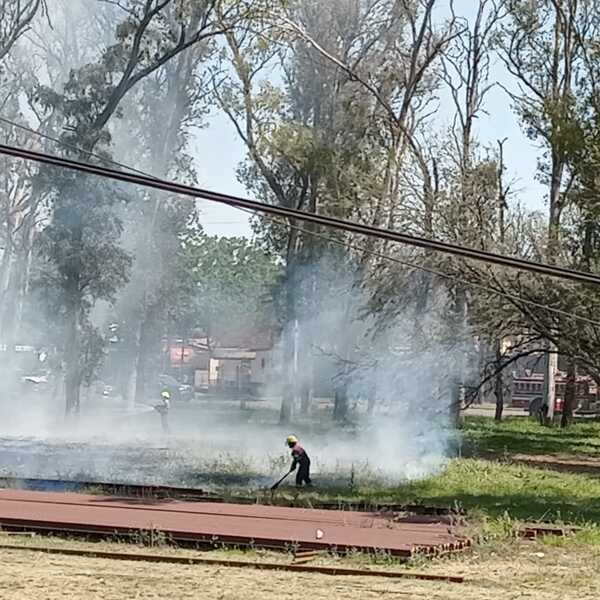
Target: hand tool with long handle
(277, 483)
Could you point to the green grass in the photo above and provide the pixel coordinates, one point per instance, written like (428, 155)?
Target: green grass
(521, 492)
(483, 437)
(490, 487)
(486, 480)
(493, 489)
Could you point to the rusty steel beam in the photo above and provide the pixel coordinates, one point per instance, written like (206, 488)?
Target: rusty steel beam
(184, 538)
(265, 566)
(532, 531)
(229, 524)
(110, 489)
(200, 495)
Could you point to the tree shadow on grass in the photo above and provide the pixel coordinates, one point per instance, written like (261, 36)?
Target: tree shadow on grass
(556, 464)
(500, 443)
(525, 507)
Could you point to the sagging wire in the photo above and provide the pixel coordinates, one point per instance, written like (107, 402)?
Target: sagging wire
(286, 223)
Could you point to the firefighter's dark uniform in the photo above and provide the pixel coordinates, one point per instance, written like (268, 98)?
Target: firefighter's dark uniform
(302, 462)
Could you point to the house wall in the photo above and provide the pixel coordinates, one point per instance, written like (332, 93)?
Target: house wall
(201, 379)
(227, 371)
(261, 367)
(213, 371)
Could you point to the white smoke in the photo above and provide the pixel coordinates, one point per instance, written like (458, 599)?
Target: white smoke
(410, 369)
(407, 436)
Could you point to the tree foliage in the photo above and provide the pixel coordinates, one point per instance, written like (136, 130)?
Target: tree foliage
(233, 281)
(336, 105)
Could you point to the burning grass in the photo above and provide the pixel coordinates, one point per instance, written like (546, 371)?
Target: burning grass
(490, 479)
(512, 470)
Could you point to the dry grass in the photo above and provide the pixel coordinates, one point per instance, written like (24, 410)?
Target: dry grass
(512, 570)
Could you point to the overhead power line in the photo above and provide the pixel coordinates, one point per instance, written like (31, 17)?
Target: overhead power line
(516, 299)
(344, 243)
(290, 213)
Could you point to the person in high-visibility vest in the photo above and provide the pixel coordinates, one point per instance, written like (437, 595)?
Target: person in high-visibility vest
(163, 410)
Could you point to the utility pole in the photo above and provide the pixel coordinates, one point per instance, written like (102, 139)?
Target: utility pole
(182, 364)
(549, 382)
(295, 367)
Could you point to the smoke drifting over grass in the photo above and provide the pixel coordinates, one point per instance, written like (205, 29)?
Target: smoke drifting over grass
(406, 369)
(402, 363)
(400, 370)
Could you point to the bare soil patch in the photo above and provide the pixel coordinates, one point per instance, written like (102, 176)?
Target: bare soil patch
(519, 570)
(566, 463)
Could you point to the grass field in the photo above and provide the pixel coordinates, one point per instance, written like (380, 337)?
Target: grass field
(497, 489)
(520, 469)
(483, 437)
(511, 470)
(508, 472)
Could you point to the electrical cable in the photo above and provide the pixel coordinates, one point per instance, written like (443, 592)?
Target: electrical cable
(352, 227)
(437, 273)
(329, 239)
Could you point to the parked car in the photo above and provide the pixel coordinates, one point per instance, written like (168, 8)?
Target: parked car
(34, 383)
(186, 392)
(179, 391)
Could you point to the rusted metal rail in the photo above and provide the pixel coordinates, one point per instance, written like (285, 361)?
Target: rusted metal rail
(200, 495)
(531, 531)
(110, 489)
(265, 566)
(216, 524)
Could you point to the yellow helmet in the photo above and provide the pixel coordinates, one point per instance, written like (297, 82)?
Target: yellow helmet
(291, 439)
(165, 395)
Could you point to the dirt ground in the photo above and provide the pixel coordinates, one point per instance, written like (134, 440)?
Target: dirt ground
(565, 463)
(520, 570)
(487, 410)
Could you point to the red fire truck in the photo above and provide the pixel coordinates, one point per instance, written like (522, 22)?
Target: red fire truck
(528, 391)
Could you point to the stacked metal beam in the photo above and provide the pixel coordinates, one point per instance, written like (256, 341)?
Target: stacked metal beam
(231, 524)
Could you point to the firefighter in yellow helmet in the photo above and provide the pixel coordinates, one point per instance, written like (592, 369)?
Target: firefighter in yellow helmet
(300, 460)
(163, 410)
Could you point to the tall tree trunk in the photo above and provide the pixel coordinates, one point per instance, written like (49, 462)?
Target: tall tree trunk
(306, 336)
(306, 394)
(555, 209)
(570, 394)
(340, 406)
(6, 276)
(307, 366)
(72, 370)
(141, 361)
(10, 300)
(460, 320)
(129, 386)
(128, 371)
(287, 403)
(372, 399)
(454, 393)
(24, 284)
(499, 383)
(289, 388)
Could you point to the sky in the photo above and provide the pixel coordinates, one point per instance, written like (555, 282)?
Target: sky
(218, 150)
